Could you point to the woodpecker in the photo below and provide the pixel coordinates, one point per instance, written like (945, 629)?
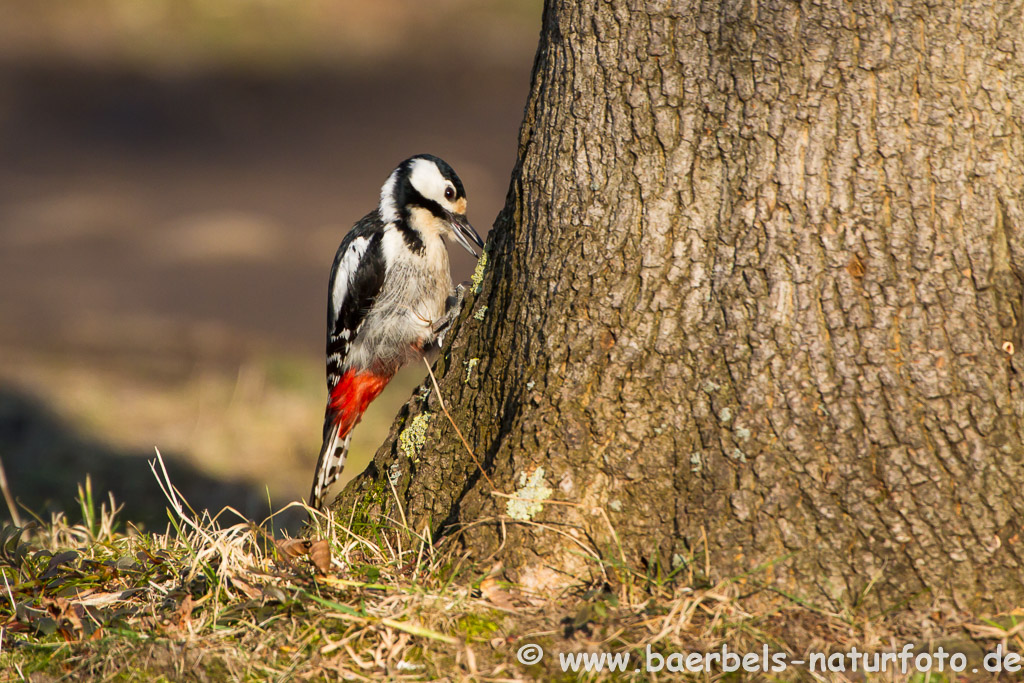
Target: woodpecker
(390, 298)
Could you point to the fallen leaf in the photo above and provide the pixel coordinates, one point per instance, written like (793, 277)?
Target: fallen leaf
(185, 611)
(320, 554)
(248, 590)
(491, 589)
(293, 547)
(273, 592)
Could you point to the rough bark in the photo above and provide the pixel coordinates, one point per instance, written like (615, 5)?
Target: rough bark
(755, 293)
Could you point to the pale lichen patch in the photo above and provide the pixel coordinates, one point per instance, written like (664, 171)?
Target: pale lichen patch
(696, 464)
(413, 437)
(532, 490)
(470, 366)
(478, 273)
(480, 313)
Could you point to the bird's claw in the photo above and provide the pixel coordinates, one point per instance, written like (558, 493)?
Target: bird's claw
(452, 305)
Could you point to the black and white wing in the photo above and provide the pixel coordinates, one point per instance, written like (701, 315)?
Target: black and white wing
(356, 278)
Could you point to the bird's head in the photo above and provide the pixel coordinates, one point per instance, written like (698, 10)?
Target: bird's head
(427, 194)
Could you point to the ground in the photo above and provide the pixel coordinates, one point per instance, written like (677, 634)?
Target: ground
(370, 599)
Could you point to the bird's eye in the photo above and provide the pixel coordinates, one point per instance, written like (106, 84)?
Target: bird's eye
(449, 193)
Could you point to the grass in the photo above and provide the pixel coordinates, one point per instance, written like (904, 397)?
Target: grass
(221, 598)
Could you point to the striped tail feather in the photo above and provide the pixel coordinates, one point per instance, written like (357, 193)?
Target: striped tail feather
(348, 400)
(330, 462)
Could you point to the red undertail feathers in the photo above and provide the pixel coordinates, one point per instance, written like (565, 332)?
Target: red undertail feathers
(348, 401)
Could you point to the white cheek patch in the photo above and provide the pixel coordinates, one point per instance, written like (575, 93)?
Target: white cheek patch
(428, 181)
(347, 267)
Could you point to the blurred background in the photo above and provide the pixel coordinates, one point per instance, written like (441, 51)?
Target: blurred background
(175, 177)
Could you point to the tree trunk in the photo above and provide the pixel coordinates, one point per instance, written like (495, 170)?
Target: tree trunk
(754, 300)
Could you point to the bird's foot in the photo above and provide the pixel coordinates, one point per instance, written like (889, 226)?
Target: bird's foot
(452, 305)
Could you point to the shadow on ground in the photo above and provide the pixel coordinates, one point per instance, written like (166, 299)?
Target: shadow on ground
(46, 459)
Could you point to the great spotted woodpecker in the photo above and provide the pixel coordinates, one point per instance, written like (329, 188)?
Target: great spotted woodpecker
(390, 298)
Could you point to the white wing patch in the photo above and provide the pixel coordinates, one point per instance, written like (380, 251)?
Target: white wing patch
(346, 269)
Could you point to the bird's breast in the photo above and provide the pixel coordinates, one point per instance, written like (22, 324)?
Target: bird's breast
(411, 299)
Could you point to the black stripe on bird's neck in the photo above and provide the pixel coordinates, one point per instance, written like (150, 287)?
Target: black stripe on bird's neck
(411, 235)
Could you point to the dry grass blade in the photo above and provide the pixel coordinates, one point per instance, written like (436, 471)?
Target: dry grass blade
(995, 631)
(440, 400)
(416, 630)
(8, 498)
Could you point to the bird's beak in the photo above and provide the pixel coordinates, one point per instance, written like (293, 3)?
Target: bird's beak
(465, 234)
